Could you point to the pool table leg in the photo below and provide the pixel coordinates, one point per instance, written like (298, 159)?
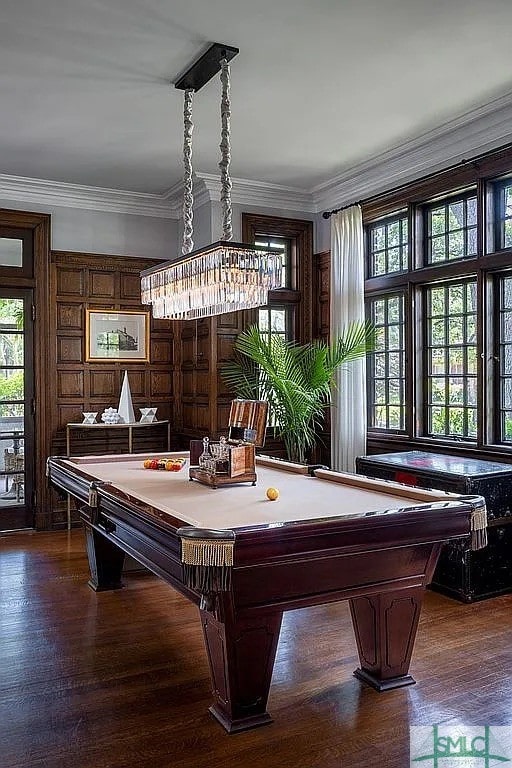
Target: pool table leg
(241, 654)
(385, 627)
(105, 561)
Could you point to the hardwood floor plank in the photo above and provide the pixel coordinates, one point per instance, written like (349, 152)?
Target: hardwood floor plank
(120, 679)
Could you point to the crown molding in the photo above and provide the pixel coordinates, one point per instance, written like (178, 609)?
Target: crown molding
(27, 190)
(259, 193)
(477, 131)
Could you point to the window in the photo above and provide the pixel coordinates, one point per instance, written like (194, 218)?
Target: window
(276, 318)
(386, 366)
(289, 310)
(388, 244)
(451, 360)
(441, 375)
(503, 208)
(451, 230)
(294, 238)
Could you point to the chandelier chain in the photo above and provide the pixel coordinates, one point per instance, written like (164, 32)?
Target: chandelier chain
(188, 197)
(225, 149)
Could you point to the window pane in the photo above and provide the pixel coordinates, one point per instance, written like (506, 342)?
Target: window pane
(451, 356)
(507, 426)
(263, 319)
(456, 245)
(505, 357)
(12, 384)
(503, 196)
(12, 411)
(393, 234)
(471, 211)
(394, 260)
(11, 252)
(277, 320)
(508, 234)
(437, 221)
(378, 238)
(386, 368)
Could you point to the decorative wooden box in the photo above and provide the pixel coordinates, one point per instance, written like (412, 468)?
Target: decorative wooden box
(460, 573)
(232, 459)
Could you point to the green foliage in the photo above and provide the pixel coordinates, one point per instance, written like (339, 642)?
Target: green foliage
(12, 311)
(12, 388)
(295, 379)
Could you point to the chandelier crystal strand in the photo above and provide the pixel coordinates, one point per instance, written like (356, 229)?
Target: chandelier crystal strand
(188, 197)
(225, 150)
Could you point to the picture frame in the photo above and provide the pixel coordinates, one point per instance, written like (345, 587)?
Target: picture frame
(116, 336)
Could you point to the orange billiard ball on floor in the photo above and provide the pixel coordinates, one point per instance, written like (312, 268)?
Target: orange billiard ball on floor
(272, 494)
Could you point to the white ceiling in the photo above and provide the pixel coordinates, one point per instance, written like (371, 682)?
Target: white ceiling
(317, 88)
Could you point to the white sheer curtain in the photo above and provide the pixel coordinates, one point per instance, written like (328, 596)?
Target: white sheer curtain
(348, 414)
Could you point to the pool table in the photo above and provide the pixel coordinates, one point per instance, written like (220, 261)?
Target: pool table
(244, 559)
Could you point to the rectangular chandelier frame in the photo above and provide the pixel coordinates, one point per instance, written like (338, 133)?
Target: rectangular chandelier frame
(222, 277)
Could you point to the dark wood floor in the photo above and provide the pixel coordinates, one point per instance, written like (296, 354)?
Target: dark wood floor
(120, 679)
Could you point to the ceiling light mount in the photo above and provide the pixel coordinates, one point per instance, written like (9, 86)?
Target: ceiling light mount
(206, 66)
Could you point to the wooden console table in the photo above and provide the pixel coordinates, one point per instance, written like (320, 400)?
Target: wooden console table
(129, 428)
(136, 425)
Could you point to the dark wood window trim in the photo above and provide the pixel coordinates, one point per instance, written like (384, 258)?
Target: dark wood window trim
(27, 267)
(301, 235)
(485, 174)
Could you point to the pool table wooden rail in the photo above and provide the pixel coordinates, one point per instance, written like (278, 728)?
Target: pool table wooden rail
(380, 562)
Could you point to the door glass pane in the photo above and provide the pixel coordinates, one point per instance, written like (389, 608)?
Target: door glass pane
(12, 408)
(11, 252)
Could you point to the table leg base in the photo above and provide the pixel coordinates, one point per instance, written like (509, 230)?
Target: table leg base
(384, 685)
(104, 587)
(243, 724)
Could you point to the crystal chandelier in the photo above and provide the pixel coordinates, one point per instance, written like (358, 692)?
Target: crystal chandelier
(224, 276)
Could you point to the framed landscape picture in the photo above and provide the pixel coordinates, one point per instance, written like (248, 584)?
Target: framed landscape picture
(116, 336)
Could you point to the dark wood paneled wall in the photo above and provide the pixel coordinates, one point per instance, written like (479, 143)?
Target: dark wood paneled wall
(321, 330)
(79, 282)
(205, 345)
(321, 295)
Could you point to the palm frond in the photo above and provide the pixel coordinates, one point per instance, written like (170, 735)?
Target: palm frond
(295, 379)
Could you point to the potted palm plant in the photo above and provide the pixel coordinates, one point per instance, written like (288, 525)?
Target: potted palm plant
(295, 379)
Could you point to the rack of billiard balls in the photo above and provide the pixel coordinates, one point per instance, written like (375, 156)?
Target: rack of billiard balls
(171, 465)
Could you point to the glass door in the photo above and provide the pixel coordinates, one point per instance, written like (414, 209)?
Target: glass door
(16, 406)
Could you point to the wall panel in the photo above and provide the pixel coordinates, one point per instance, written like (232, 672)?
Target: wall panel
(102, 285)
